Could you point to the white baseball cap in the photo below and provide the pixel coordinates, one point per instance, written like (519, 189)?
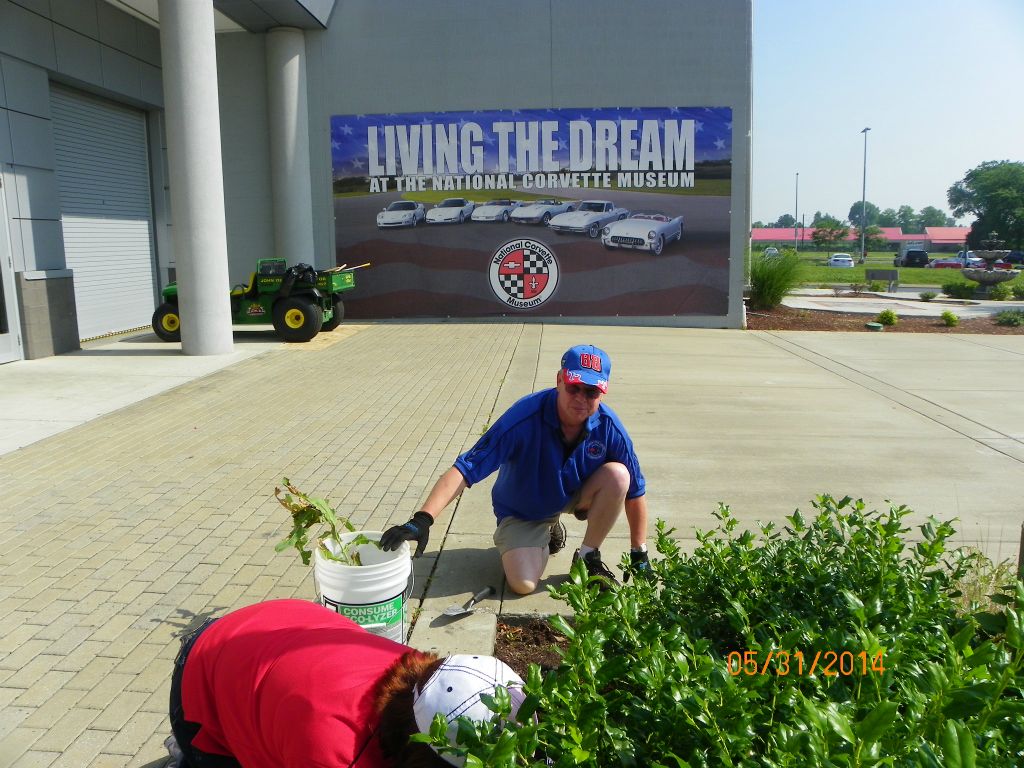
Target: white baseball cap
(454, 691)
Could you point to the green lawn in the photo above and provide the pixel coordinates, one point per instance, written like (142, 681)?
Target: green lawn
(815, 273)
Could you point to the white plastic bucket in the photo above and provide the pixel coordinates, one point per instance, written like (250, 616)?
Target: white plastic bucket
(372, 594)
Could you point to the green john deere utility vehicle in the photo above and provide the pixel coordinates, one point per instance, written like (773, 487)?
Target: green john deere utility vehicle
(300, 301)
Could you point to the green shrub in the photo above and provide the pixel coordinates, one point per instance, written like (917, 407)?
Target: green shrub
(1011, 317)
(927, 295)
(949, 319)
(875, 286)
(999, 292)
(959, 290)
(772, 278)
(689, 670)
(1017, 290)
(887, 317)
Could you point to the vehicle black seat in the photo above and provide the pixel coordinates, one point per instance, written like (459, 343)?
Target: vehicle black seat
(273, 266)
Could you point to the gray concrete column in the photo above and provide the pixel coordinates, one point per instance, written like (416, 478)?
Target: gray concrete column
(288, 116)
(192, 114)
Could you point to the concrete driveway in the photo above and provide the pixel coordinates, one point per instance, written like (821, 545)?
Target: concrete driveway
(148, 512)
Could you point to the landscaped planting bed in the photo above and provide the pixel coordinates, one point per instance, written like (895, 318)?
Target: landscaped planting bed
(831, 641)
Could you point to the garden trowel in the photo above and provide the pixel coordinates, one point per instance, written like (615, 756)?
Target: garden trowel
(462, 610)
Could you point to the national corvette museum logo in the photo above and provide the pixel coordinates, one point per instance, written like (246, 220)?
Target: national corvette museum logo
(524, 273)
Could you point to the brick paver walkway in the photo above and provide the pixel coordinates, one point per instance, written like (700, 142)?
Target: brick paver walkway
(118, 534)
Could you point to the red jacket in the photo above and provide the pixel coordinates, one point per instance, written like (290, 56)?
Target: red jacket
(287, 684)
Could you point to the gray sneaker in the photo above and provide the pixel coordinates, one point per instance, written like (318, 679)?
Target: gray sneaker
(597, 569)
(558, 535)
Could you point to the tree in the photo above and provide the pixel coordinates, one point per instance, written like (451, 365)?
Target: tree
(758, 225)
(786, 220)
(823, 218)
(930, 216)
(993, 192)
(829, 231)
(870, 213)
(907, 219)
(888, 218)
(873, 240)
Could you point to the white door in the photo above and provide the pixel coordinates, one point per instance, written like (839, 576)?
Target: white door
(106, 212)
(10, 327)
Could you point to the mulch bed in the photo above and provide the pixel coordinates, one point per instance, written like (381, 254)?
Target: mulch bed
(522, 640)
(784, 318)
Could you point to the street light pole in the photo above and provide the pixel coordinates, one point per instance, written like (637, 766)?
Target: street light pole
(796, 211)
(863, 197)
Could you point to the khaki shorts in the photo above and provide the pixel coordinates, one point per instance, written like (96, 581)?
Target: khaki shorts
(513, 533)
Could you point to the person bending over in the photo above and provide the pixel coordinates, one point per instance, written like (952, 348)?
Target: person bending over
(292, 684)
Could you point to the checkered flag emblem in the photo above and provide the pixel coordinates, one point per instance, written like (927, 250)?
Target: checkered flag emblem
(533, 264)
(513, 285)
(523, 274)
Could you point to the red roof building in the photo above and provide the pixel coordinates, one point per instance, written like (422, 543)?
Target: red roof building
(932, 236)
(946, 235)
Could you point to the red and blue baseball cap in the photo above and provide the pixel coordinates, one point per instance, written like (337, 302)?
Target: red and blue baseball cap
(586, 364)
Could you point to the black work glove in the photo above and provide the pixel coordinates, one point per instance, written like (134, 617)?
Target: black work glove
(640, 564)
(417, 529)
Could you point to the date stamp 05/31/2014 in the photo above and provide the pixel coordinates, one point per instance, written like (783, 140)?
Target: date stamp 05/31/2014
(827, 663)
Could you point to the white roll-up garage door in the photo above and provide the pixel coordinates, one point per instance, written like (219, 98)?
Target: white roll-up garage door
(106, 211)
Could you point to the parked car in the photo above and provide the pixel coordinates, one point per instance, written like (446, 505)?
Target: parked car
(771, 252)
(643, 231)
(495, 210)
(541, 211)
(1015, 257)
(453, 210)
(589, 218)
(401, 213)
(945, 262)
(911, 258)
(840, 260)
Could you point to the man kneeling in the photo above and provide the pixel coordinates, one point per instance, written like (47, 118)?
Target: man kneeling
(558, 450)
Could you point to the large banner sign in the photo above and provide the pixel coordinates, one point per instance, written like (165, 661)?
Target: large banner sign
(556, 212)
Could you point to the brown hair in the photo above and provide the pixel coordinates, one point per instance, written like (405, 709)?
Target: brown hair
(397, 721)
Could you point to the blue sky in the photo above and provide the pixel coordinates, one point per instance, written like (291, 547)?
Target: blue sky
(940, 84)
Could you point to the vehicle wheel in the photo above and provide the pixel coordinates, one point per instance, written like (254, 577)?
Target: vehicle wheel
(167, 323)
(297, 319)
(339, 315)
(545, 219)
(593, 230)
(504, 216)
(659, 246)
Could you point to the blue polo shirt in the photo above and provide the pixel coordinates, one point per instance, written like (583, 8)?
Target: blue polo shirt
(535, 479)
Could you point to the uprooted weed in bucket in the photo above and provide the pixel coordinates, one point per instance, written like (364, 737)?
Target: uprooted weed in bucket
(309, 512)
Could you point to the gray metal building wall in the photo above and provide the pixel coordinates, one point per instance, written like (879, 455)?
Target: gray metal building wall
(87, 44)
(380, 56)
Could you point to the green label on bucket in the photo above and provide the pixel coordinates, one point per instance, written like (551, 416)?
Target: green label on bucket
(387, 612)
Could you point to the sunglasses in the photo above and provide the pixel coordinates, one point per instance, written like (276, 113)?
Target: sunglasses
(591, 393)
